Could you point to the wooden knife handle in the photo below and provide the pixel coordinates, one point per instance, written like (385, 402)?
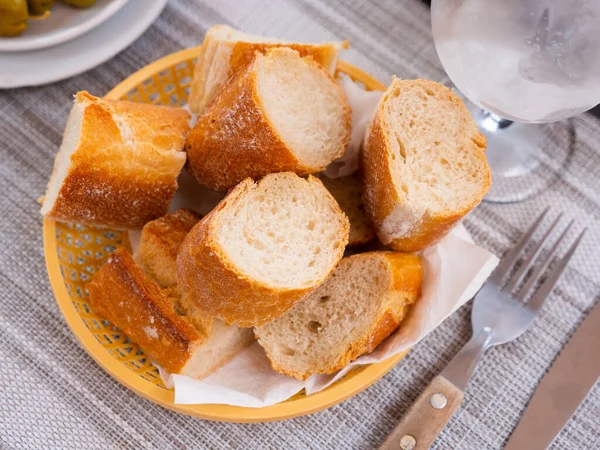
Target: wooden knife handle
(427, 417)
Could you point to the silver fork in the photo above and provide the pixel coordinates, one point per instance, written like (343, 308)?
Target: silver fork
(502, 310)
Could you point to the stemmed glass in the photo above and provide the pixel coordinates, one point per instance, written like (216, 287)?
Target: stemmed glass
(525, 66)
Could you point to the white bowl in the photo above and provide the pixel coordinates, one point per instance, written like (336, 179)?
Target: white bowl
(64, 23)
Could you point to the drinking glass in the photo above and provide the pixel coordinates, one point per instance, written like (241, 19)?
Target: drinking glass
(525, 66)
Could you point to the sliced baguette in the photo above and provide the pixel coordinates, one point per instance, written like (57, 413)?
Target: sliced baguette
(356, 308)
(224, 50)
(424, 164)
(348, 192)
(262, 248)
(156, 255)
(149, 309)
(121, 293)
(118, 163)
(281, 113)
(157, 251)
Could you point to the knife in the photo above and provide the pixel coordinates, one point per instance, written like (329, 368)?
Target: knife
(564, 387)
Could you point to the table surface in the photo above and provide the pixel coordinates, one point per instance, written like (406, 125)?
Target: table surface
(53, 395)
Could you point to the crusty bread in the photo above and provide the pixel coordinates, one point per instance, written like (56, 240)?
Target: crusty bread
(118, 163)
(156, 255)
(224, 50)
(150, 309)
(348, 191)
(424, 164)
(262, 248)
(280, 113)
(123, 294)
(357, 307)
(160, 241)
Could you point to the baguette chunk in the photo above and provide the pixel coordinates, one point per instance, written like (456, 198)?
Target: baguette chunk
(424, 164)
(157, 257)
(150, 309)
(263, 248)
(159, 244)
(118, 163)
(359, 305)
(225, 50)
(280, 113)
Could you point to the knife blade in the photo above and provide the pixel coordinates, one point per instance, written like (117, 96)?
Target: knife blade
(564, 387)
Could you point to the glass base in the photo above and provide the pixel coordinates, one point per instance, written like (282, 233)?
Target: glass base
(525, 159)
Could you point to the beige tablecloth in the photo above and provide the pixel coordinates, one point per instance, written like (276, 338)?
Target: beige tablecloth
(53, 395)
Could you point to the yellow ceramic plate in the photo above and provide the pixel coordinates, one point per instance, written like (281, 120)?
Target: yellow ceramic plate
(75, 252)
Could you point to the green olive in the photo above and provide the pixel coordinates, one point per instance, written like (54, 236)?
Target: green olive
(39, 7)
(80, 3)
(13, 17)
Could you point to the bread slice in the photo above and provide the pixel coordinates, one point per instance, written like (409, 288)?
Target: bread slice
(424, 164)
(281, 113)
(358, 306)
(262, 248)
(348, 192)
(118, 163)
(149, 308)
(225, 50)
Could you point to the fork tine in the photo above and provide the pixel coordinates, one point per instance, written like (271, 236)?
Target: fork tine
(522, 270)
(513, 254)
(542, 293)
(539, 270)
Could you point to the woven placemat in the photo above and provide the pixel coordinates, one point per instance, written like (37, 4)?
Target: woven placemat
(52, 395)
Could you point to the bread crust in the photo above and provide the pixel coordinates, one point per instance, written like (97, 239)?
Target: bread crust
(348, 193)
(403, 289)
(156, 255)
(124, 170)
(207, 275)
(233, 139)
(239, 54)
(123, 294)
(323, 54)
(383, 198)
(160, 243)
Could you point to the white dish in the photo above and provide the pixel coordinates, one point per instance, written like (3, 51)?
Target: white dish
(62, 61)
(64, 23)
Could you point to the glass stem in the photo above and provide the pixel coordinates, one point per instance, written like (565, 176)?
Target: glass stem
(491, 121)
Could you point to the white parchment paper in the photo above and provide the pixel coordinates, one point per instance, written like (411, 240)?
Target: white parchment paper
(454, 270)
(363, 104)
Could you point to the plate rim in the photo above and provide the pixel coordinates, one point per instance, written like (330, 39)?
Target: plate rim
(309, 404)
(151, 13)
(11, 45)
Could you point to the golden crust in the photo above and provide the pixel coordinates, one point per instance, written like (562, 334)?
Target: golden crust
(216, 285)
(124, 170)
(323, 54)
(123, 294)
(403, 289)
(382, 197)
(240, 54)
(348, 191)
(160, 243)
(156, 255)
(234, 140)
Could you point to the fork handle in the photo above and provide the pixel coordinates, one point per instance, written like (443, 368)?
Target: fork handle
(427, 417)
